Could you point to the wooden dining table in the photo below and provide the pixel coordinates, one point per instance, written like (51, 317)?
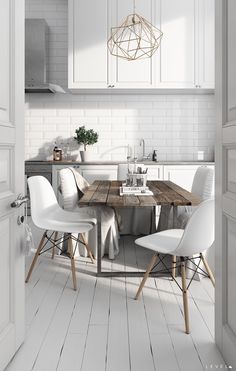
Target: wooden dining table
(107, 193)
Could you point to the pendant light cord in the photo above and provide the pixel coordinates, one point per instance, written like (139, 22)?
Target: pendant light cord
(134, 10)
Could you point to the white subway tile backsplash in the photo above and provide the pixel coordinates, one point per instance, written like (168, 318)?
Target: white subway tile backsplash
(97, 112)
(135, 120)
(57, 120)
(178, 126)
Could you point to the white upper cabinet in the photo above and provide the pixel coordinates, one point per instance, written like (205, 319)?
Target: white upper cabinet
(177, 50)
(185, 58)
(206, 44)
(131, 74)
(88, 32)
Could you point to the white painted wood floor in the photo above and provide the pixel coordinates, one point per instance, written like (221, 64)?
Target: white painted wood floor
(102, 328)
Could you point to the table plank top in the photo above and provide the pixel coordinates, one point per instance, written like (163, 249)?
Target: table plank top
(107, 193)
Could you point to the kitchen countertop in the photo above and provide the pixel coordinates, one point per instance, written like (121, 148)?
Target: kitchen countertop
(41, 162)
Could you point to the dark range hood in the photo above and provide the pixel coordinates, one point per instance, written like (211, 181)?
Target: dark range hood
(36, 31)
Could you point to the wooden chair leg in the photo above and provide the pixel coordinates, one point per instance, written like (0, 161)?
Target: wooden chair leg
(185, 297)
(208, 269)
(53, 249)
(149, 268)
(87, 248)
(36, 256)
(70, 248)
(174, 266)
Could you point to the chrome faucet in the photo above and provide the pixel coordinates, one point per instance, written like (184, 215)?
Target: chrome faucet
(142, 143)
(144, 156)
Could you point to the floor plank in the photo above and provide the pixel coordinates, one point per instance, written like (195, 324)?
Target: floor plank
(71, 357)
(27, 354)
(141, 357)
(95, 349)
(50, 350)
(117, 350)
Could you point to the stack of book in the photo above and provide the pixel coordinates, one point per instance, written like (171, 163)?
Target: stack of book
(136, 191)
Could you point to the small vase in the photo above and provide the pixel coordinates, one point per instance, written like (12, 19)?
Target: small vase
(85, 156)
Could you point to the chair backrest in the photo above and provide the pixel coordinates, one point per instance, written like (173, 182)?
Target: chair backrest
(69, 189)
(122, 170)
(203, 182)
(199, 232)
(42, 198)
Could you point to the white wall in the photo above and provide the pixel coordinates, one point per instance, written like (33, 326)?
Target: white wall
(180, 127)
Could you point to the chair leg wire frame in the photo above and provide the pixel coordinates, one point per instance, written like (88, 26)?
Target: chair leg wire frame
(157, 260)
(56, 243)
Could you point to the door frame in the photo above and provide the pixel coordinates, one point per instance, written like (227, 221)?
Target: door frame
(225, 200)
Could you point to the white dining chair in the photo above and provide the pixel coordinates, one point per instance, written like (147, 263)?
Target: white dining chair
(107, 221)
(48, 215)
(134, 221)
(197, 237)
(202, 186)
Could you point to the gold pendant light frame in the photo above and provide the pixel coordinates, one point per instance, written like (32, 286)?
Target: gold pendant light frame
(136, 38)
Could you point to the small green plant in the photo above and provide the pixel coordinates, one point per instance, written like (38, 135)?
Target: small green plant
(85, 137)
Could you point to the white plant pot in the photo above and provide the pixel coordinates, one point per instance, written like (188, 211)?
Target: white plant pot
(85, 156)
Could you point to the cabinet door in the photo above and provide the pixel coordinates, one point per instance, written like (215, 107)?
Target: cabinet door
(87, 58)
(181, 174)
(177, 51)
(99, 172)
(155, 172)
(206, 44)
(138, 73)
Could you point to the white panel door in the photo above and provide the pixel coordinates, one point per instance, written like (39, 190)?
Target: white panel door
(206, 44)
(226, 180)
(88, 34)
(132, 74)
(11, 177)
(177, 51)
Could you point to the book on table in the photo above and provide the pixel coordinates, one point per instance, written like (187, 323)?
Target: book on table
(136, 191)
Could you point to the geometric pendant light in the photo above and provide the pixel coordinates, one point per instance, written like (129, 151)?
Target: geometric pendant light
(135, 38)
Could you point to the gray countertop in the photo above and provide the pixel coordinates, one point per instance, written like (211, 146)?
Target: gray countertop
(118, 162)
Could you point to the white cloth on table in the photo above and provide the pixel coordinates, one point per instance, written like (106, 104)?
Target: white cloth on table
(73, 185)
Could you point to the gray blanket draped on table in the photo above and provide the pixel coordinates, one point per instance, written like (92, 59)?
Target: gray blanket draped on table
(106, 219)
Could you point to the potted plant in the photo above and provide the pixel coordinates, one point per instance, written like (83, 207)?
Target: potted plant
(85, 137)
